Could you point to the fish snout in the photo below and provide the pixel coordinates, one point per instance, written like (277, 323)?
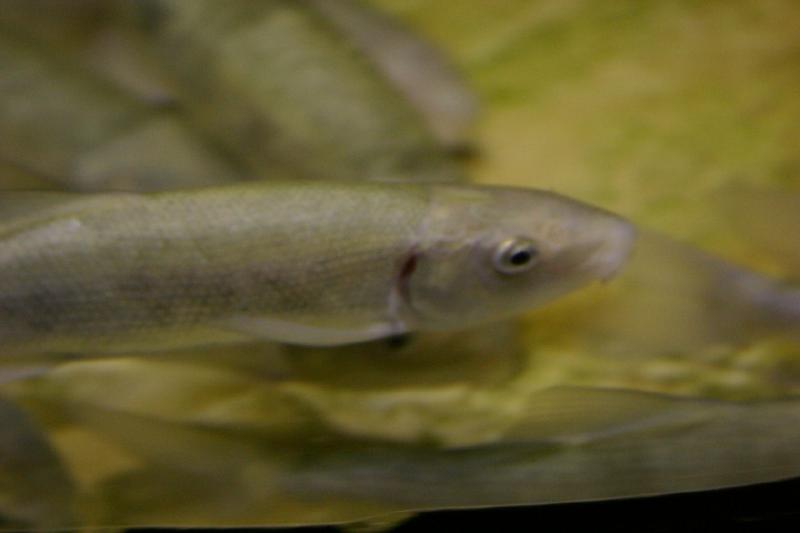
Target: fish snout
(614, 246)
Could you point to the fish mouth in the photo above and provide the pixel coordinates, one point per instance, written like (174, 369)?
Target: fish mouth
(599, 257)
(613, 253)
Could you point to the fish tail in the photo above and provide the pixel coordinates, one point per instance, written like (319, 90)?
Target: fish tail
(771, 305)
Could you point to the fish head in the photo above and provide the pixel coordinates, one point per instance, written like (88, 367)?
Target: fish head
(487, 253)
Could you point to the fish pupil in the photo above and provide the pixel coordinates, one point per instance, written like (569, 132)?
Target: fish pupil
(521, 257)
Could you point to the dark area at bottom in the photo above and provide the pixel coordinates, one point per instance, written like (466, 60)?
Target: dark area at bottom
(757, 508)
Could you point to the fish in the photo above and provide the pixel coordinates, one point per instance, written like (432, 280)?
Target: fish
(417, 69)
(567, 444)
(94, 35)
(670, 458)
(69, 128)
(274, 81)
(127, 106)
(314, 262)
(675, 297)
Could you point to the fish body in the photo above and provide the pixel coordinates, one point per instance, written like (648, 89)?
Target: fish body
(62, 124)
(676, 298)
(416, 68)
(249, 74)
(566, 444)
(274, 81)
(317, 263)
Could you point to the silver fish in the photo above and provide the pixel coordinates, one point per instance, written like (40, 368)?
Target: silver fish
(314, 263)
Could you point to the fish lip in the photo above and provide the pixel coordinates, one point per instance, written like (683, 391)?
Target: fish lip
(612, 257)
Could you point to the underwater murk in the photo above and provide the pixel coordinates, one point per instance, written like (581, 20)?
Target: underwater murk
(272, 263)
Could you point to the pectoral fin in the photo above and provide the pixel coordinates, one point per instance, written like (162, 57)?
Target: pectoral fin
(311, 335)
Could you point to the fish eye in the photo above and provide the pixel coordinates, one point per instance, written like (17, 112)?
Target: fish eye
(515, 255)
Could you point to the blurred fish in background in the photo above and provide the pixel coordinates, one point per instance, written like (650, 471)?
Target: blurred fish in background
(679, 375)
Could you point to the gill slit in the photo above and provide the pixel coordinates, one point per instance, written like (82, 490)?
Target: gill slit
(400, 294)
